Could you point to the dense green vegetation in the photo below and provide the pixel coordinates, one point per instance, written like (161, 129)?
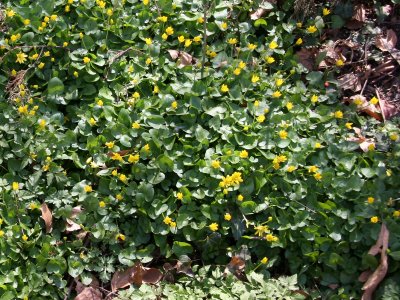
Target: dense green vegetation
(129, 134)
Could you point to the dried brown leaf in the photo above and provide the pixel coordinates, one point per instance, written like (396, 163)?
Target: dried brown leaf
(350, 81)
(388, 110)
(183, 57)
(72, 226)
(90, 293)
(47, 216)
(388, 42)
(307, 56)
(76, 211)
(184, 268)
(236, 267)
(174, 53)
(151, 275)
(364, 276)
(359, 13)
(261, 11)
(122, 279)
(137, 276)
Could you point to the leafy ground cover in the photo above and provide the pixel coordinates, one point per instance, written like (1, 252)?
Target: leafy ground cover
(155, 131)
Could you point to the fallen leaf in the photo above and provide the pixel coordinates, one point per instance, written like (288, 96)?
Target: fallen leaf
(183, 57)
(307, 56)
(359, 13)
(185, 268)
(265, 6)
(350, 81)
(76, 211)
(47, 217)
(174, 53)
(386, 43)
(122, 279)
(380, 272)
(366, 107)
(72, 226)
(236, 267)
(89, 293)
(151, 275)
(137, 276)
(360, 139)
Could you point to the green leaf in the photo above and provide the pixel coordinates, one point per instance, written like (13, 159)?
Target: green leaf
(395, 255)
(55, 86)
(181, 248)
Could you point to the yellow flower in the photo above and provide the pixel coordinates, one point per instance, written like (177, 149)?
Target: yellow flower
(283, 134)
(163, 19)
(1, 221)
(251, 47)
(34, 56)
(224, 88)
(67, 8)
(120, 236)
(27, 22)
(41, 65)
(339, 63)
(148, 41)
(371, 200)
(179, 196)
(65, 44)
(371, 147)
(227, 217)
(146, 2)
(374, 219)
(114, 172)
(169, 30)
(270, 59)
(21, 58)
(243, 154)
(86, 60)
(88, 189)
(290, 169)
(314, 98)
(188, 42)
(270, 238)
(146, 147)
(136, 95)
(349, 125)
(42, 123)
(317, 145)
(197, 39)
(167, 220)
(394, 137)
(312, 29)
(299, 24)
(374, 101)
(261, 230)
(200, 20)
(174, 105)
(10, 13)
(237, 71)
(299, 41)
(279, 82)
(133, 158)
(156, 89)
(396, 213)
(102, 204)
(212, 54)
(240, 197)
(13, 72)
(326, 11)
(242, 65)
(213, 226)
(81, 35)
(216, 164)
(148, 61)
(53, 17)
(289, 105)
(260, 118)
(23, 109)
(273, 45)
(135, 125)
(256, 103)
(318, 176)
(110, 145)
(264, 260)
(255, 78)
(92, 121)
(276, 94)
(76, 74)
(312, 169)
(1, 233)
(232, 41)
(172, 224)
(117, 156)
(123, 178)
(338, 114)
(224, 26)
(24, 237)
(164, 36)
(181, 39)
(15, 186)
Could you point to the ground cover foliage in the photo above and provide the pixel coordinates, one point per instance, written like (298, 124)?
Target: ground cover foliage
(129, 134)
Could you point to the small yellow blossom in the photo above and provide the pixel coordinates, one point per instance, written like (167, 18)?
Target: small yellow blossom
(172, 224)
(224, 26)
(92, 121)
(240, 197)
(290, 169)
(65, 44)
(270, 59)
(15, 186)
(42, 123)
(289, 105)
(10, 13)
(224, 88)
(251, 47)
(120, 237)
(374, 101)
(76, 74)
(162, 19)
(339, 63)
(53, 17)
(394, 137)
(181, 39)
(21, 57)
(213, 226)
(133, 158)
(41, 65)
(349, 125)
(371, 147)
(24, 237)
(102, 204)
(86, 60)
(67, 8)
(396, 213)
(13, 72)
(110, 145)
(200, 20)
(374, 219)
(216, 164)
(243, 154)
(117, 156)
(255, 78)
(276, 94)
(371, 200)
(156, 89)
(146, 147)
(264, 260)
(261, 230)
(27, 22)
(279, 82)
(188, 42)
(273, 45)
(237, 71)
(146, 2)
(312, 169)
(326, 11)
(317, 145)
(261, 118)
(100, 103)
(227, 217)
(148, 41)
(318, 176)
(232, 41)
(88, 189)
(197, 39)
(1, 233)
(135, 125)
(174, 105)
(164, 36)
(299, 41)
(23, 109)
(148, 61)
(123, 178)
(167, 220)
(314, 98)
(179, 196)
(169, 30)
(299, 24)
(338, 114)
(312, 29)
(283, 134)
(114, 172)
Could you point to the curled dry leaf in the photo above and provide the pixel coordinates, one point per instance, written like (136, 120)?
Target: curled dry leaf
(388, 110)
(379, 274)
(184, 58)
(122, 279)
(151, 275)
(47, 216)
(358, 18)
(366, 107)
(236, 267)
(350, 81)
(388, 42)
(72, 226)
(363, 141)
(89, 293)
